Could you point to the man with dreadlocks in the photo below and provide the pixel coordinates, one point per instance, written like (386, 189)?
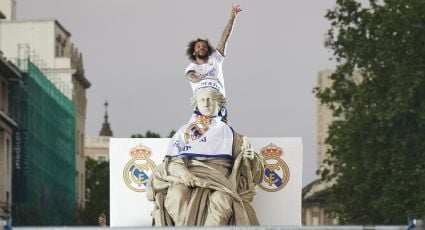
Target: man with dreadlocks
(210, 172)
(206, 62)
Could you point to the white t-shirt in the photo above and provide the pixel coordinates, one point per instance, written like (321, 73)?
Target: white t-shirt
(210, 70)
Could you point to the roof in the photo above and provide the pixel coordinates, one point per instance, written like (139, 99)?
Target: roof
(43, 20)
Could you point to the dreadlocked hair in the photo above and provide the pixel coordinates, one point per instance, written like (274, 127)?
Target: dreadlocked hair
(191, 48)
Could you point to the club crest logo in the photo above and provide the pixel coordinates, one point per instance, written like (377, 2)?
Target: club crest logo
(138, 170)
(276, 171)
(196, 129)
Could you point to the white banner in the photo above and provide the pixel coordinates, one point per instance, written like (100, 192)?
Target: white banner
(132, 161)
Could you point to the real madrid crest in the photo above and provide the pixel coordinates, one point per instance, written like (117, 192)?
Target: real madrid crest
(138, 170)
(276, 171)
(196, 129)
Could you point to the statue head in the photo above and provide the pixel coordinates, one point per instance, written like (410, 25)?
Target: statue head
(208, 101)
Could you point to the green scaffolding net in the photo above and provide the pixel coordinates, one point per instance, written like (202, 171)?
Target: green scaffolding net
(44, 152)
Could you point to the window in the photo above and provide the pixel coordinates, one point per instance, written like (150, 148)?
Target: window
(78, 184)
(81, 190)
(60, 47)
(8, 157)
(82, 143)
(3, 92)
(78, 142)
(58, 50)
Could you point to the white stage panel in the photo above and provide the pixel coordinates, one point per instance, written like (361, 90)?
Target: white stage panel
(277, 203)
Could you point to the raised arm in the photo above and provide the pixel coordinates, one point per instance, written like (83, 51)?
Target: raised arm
(221, 47)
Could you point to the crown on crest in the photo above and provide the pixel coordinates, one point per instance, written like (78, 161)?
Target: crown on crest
(203, 119)
(140, 151)
(271, 150)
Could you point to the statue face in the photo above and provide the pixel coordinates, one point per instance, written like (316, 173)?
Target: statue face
(207, 105)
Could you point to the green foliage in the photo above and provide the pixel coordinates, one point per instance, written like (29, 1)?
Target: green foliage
(148, 134)
(171, 133)
(151, 134)
(377, 152)
(97, 192)
(137, 135)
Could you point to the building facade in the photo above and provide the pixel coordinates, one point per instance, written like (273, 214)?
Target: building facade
(8, 74)
(314, 194)
(43, 180)
(47, 43)
(8, 9)
(97, 148)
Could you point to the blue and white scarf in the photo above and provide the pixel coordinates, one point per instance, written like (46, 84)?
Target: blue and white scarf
(202, 137)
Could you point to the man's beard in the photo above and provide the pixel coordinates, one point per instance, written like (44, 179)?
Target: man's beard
(202, 56)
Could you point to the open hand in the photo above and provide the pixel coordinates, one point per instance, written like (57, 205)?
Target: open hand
(247, 149)
(236, 9)
(189, 179)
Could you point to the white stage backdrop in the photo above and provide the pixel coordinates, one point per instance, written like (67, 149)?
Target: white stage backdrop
(132, 160)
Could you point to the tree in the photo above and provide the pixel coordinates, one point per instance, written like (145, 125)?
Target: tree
(97, 191)
(151, 134)
(376, 146)
(148, 134)
(172, 132)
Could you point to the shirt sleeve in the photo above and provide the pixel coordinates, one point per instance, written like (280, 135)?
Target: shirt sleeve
(218, 56)
(190, 67)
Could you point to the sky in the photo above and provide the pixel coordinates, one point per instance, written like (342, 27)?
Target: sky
(134, 57)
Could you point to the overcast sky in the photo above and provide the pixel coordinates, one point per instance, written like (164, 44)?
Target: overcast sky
(134, 56)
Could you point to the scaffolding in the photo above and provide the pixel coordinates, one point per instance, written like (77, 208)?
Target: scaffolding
(44, 151)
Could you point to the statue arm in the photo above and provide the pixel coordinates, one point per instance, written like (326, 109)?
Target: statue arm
(240, 146)
(221, 47)
(178, 168)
